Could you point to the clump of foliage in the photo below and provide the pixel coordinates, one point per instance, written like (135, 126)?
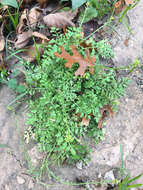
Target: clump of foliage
(60, 100)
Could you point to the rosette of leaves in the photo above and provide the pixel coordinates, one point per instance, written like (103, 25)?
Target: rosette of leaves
(60, 99)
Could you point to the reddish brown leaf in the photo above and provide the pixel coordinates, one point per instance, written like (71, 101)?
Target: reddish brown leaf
(85, 121)
(126, 42)
(84, 63)
(87, 46)
(103, 110)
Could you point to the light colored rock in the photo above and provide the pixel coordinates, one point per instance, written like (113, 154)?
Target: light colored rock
(109, 176)
(31, 184)
(99, 175)
(79, 165)
(35, 155)
(20, 180)
(7, 187)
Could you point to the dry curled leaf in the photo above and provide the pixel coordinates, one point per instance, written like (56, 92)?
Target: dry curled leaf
(84, 63)
(23, 39)
(41, 36)
(34, 51)
(60, 20)
(85, 121)
(2, 40)
(31, 52)
(34, 16)
(103, 110)
(22, 21)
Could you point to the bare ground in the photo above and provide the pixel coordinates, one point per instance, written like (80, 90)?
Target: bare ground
(124, 128)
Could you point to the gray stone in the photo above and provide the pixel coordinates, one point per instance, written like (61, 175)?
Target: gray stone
(31, 184)
(79, 165)
(7, 187)
(109, 176)
(20, 180)
(35, 155)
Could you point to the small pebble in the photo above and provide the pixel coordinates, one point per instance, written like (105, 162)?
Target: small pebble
(99, 175)
(109, 176)
(31, 185)
(7, 187)
(79, 165)
(20, 180)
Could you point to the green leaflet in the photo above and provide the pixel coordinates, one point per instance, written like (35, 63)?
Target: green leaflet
(77, 3)
(12, 3)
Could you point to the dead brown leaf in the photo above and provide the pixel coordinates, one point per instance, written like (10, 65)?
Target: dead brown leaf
(85, 121)
(36, 49)
(22, 21)
(60, 20)
(103, 110)
(34, 16)
(2, 40)
(84, 63)
(126, 42)
(23, 39)
(41, 36)
(33, 51)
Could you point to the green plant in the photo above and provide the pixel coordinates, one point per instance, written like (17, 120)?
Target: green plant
(126, 183)
(3, 75)
(95, 8)
(126, 179)
(60, 100)
(12, 12)
(12, 3)
(13, 83)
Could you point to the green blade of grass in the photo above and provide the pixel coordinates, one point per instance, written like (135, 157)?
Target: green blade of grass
(133, 179)
(132, 186)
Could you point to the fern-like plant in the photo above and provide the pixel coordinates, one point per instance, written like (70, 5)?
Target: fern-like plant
(60, 99)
